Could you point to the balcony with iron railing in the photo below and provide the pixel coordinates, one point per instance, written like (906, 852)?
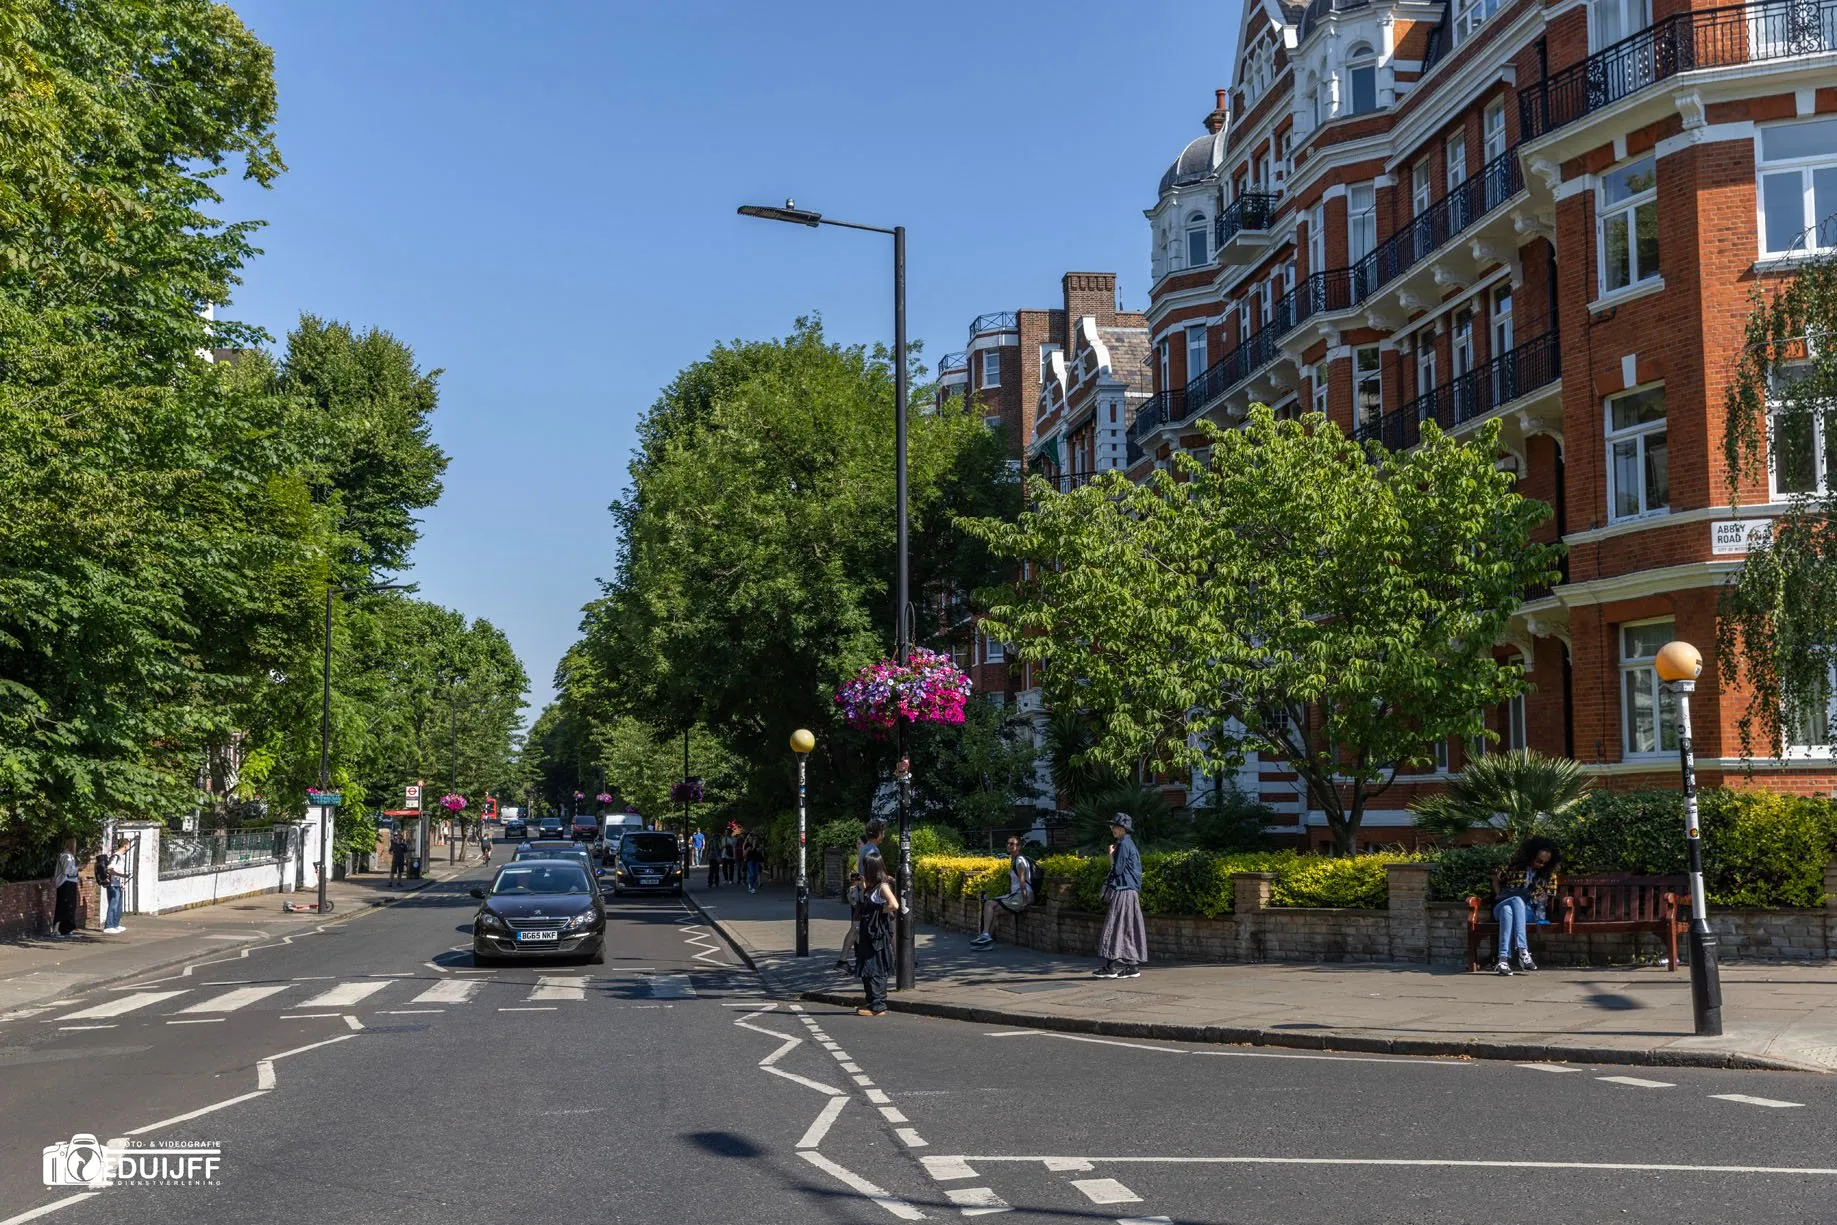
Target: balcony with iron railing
(1166, 407)
(953, 363)
(1469, 398)
(993, 321)
(1248, 217)
(1725, 37)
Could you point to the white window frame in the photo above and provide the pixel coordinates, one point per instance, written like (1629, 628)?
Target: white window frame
(1636, 15)
(1816, 226)
(991, 368)
(1425, 365)
(1503, 329)
(1317, 239)
(1196, 227)
(1454, 160)
(1361, 59)
(1821, 478)
(1640, 434)
(1367, 371)
(1471, 15)
(1642, 670)
(1196, 356)
(1492, 127)
(1803, 746)
(1361, 221)
(1319, 397)
(1625, 212)
(1422, 188)
(1460, 343)
(1514, 732)
(1046, 352)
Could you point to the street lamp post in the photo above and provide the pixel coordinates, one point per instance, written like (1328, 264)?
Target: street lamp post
(801, 744)
(686, 853)
(1679, 664)
(325, 730)
(906, 965)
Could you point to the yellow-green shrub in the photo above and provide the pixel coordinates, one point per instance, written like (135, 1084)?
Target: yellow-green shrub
(960, 875)
(1353, 881)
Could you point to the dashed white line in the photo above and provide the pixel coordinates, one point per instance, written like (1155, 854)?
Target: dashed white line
(1637, 1082)
(947, 1169)
(48, 1209)
(353, 1022)
(878, 1097)
(864, 1081)
(1413, 1163)
(977, 1201)
(1105, 1191)
(308, 1016)
(1145, 1220)
(909, 1137)
(1746, 1100)
(1548, 1067)
(893, 1114)
(1060, 1165)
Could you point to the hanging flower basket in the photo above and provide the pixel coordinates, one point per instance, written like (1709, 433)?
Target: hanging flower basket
(453, 802)
(687, 792)
(604, 797)
(929, 689)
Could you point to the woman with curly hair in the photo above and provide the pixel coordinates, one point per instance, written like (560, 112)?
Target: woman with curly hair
(1521, 890)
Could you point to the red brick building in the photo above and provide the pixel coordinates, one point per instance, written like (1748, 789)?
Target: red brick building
(1552, 215)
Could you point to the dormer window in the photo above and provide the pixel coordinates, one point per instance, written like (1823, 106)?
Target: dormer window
(1362, 75)
(1198, 252)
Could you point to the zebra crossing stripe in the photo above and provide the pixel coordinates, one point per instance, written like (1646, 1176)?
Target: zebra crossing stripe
(230, 1001)
(345, 994)
(557, 987)
(670, 987)
(449, 991)
(121, 1004)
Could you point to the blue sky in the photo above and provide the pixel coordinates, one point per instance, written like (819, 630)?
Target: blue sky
(539, 198)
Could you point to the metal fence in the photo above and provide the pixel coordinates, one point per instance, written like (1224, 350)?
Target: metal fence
(220, 848)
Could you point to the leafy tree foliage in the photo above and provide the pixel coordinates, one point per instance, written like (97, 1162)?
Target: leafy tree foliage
(1520, 792)
(1777, 636)
(1298, 596)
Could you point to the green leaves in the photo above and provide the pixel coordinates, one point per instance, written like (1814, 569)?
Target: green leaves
(1297, 597)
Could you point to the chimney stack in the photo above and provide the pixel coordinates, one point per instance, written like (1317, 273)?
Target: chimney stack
(1221, 113)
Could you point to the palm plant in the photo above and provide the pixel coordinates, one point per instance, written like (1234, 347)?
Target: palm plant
(1521, 792)
(1157, 824)
(1068, 738)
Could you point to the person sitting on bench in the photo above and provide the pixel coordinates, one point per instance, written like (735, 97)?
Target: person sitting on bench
(1018, 897)
(1521, 892)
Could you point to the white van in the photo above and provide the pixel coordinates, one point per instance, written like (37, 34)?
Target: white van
(615, 826)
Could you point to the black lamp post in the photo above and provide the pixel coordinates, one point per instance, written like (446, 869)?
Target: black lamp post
(798, 216)
(801, 744)
(1679, 664)
(454, 682)
(325, 729)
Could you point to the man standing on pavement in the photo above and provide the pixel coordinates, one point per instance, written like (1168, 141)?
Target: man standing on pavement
(870, 844)
(64, 880)
(398, 859)
(1018, 897)
(697, 842)
(118, 874)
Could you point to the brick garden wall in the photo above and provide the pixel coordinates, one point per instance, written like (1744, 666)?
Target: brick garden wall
(1411, 929)
(26, 906)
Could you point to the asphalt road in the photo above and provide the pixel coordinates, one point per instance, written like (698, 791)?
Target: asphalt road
(366, 1073)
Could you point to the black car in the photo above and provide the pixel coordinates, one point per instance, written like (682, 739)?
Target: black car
(515, 828)
(585, 828)
(572, 852)
(551, 827)
(539, 908)
(647, 862)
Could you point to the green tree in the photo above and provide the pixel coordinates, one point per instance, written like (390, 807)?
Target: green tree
(972, 776)
(1777, 635)
(1299, 596)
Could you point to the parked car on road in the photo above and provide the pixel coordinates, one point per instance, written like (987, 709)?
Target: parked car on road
(585, 827)
(515, 829)
(539, 908)
(555, 848)
(551, 827)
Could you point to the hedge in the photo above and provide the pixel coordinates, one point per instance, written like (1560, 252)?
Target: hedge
(1184, 882)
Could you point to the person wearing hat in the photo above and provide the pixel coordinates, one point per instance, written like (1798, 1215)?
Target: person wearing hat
(1124, 943)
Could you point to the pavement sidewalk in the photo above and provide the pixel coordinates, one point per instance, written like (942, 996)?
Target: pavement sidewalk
(1774, 1016)
(36, 971)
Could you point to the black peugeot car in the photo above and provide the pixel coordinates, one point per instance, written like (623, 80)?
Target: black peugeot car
(551, 827)
(539, 908)
(648, 862)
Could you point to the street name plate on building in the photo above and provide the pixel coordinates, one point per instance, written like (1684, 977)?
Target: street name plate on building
(1732, 537)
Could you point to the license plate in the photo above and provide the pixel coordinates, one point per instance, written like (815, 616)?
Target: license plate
(649, 880)
(537, 937)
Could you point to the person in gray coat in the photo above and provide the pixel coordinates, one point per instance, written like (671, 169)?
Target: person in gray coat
(1124, 943)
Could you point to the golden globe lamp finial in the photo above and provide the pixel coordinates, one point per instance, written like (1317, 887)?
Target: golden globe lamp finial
(802, 741)
(1679, 661)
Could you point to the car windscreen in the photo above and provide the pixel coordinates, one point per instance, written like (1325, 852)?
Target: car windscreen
(549, 877)
(649, 848)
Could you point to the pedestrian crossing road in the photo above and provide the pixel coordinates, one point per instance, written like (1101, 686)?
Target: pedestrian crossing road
(392, 995)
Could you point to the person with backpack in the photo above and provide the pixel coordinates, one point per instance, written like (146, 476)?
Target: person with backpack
(65, 881)
(116, 871)
(1023, 888)
(874, 946)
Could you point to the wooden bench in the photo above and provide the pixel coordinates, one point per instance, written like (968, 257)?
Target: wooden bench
(1610, 903)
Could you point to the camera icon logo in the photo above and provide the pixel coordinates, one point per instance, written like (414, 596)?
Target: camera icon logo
(77, 1162)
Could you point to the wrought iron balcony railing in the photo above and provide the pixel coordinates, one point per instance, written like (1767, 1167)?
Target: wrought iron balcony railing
(1708, 38)
(994, 321)
(951, 363)
(1514, 373)
(1253, 210)
(1163, 408)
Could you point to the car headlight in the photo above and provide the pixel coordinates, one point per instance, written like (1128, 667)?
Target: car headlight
(491, 921)
(583, 919)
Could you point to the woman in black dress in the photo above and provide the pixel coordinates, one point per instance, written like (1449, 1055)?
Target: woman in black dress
(874, 943)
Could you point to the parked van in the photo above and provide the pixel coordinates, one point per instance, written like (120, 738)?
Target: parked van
(615, 826)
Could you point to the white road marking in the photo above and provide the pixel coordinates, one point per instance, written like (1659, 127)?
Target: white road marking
(198, 1021)
(1745, 1100)
(309, 1016)
(229, 982)
(198, 1113)
(863, 1081)
(851, 1067)
(344, 995)
(1414, 1163)
(48, 1209)
(230, 1001)
(813, 1135)
(1061, 1165)
(119, 1005)
(543, 1008)
(315, 978)
(670, 987)
(71, 1027)
(898, 1207)
(977, 1201)
(449, 991)
(789, 1044)
(1637, 1082)
(909, 1137)
(840, 1055)
(1145, 1220)
(264, 1074)
(1548, 1067)
(559, 987)
(878, 1097)
(805, 1081)
(353, 1022)
(947, 1169)
(1105, 1191)
(311, 1046)
(407, 1012)
(893, 1114)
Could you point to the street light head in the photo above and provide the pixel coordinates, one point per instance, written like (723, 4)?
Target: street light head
(802, 742)
(790, 212)
(1679, 661)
